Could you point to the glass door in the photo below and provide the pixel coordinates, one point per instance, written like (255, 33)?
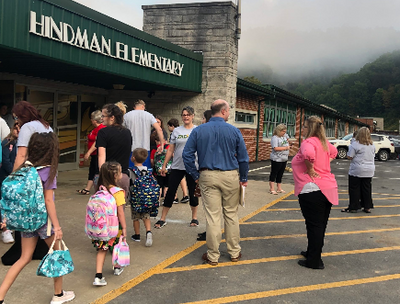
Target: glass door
(68, 115)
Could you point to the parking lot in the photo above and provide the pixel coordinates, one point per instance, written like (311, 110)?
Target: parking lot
(361, 255)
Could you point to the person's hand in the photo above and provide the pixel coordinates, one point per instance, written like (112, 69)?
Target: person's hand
(86, 157)
(123, 232)
(311, 172)
(243, 184)
(160, 149)
(163, 171)
(58, 234)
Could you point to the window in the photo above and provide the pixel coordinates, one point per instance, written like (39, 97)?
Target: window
(330, 125)
(246, 118)
(341, 129)
(276, 113)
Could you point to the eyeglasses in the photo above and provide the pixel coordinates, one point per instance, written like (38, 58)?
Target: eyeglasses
(102, 116)
(186, 115)
(15, 117)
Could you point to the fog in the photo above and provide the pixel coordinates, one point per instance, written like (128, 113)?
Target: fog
(289, 40)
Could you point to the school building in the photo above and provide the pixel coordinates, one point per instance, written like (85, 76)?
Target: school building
(68, 60)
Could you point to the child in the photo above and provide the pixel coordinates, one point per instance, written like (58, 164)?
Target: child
(43, 150)
(109, 176)
(139, 155)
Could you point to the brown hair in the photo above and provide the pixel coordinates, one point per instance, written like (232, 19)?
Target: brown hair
(364, 136)
(279, 128)
(207, 115)
(11, 136)
(316, 129)
(162, 121)
(173, 122)
(26, 112)
(138, 102)
(140, 155)
(44, 150)
(113, 110)
(107, 175)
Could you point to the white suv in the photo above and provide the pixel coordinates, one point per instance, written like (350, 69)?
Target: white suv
(384, 147)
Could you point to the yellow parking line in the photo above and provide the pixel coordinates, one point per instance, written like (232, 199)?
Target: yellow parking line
(274, 259)
(331, 219)
(346, 199)
(158, 268)
(292, 290)
(333, 208)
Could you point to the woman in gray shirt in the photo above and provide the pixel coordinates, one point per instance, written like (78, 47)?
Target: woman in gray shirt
(279, 156)
(362, 167)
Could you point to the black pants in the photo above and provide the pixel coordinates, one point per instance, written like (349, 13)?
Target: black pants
(93, 167)
(277, 169)
(175, 178)
(315, 208)
(360, 192)
(162, 182)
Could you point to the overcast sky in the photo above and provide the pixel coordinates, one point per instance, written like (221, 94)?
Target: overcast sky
(295, 37)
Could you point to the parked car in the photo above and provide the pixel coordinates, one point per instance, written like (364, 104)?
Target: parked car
(396, 144)
(384, 147)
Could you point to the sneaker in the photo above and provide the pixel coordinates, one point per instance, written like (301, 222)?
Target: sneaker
(100, 282)
(185, 199)
(66, 297)
(176, 201)
(7, 237)
(135, 237)
(149, 239)
(118, 271)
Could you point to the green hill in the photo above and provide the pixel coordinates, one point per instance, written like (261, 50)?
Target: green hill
(373, 91)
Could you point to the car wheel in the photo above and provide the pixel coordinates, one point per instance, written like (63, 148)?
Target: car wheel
(383, 155)
(341, 153)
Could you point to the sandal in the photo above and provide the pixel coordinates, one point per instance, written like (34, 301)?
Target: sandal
(160, 224)
(194, 223)
(83, 191)
(273, 192)
(281, 191)
(348, 210)
(367, 210)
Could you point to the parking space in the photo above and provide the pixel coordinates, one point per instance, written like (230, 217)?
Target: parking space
(361, 255)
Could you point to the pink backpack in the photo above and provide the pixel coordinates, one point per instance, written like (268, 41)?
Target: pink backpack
(101, 215)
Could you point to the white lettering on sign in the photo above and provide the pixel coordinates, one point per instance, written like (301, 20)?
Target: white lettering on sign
(65, 33)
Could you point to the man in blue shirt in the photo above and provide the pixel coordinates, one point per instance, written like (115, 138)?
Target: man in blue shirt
(221, 152)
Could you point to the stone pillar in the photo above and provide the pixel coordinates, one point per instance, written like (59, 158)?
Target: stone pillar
(209, 28)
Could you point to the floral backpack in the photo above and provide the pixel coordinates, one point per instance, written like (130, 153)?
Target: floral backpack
(22, 204)
(159, 161)
(144, 192)
(101, 215)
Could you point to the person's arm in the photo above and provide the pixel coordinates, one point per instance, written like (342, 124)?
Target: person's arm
(310, 169)
(6, 163)
(242, 158)
(90, 151)
(22, 155)
(189, 156)
(5, 130)
(51, 211)
(168, 157)
(121, 219)
(160, 134)
(101, 154)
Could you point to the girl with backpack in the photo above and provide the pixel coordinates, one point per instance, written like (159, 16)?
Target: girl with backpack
(109, 176)
(43, 151)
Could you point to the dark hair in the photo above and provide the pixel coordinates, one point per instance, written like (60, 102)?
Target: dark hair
(44, 150)
(188, 109)
(207, 115)
(107, 175)
(26, 112)
(216, 108)
(11, 138)
(113, 110)
(162, 121)
(140, 155)
(173, 122)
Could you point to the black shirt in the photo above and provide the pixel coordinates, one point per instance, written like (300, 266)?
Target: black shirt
(118, 143)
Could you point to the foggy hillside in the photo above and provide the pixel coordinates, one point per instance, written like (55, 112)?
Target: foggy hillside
(278, 55)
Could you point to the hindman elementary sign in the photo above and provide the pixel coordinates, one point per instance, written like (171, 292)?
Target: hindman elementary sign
(65, 33)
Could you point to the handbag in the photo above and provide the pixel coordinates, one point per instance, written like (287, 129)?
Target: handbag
(121, 256)
(56, 263)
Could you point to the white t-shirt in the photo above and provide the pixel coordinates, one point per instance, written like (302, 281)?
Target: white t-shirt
(139, 122)
(363, 162)
(28, 129)
(279, 156)
(179, 138)
(4, 129)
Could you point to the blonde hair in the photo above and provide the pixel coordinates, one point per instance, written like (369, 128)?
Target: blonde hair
(122, 106)
(279, 128)
(315, 128)
(364, 136)
(138, 102)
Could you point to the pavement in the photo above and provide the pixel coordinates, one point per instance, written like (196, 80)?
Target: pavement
(361, 253)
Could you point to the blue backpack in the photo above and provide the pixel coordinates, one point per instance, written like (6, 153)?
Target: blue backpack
(22, 202)
(144, 192)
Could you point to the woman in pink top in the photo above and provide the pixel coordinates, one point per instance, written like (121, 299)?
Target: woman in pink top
(315, 186)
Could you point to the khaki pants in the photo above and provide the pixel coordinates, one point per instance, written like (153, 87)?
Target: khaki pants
(220, 196)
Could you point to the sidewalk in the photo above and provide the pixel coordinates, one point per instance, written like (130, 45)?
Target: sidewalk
(168, 241)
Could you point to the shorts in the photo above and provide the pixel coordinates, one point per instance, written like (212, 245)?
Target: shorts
(135, 216)
(41, 232)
